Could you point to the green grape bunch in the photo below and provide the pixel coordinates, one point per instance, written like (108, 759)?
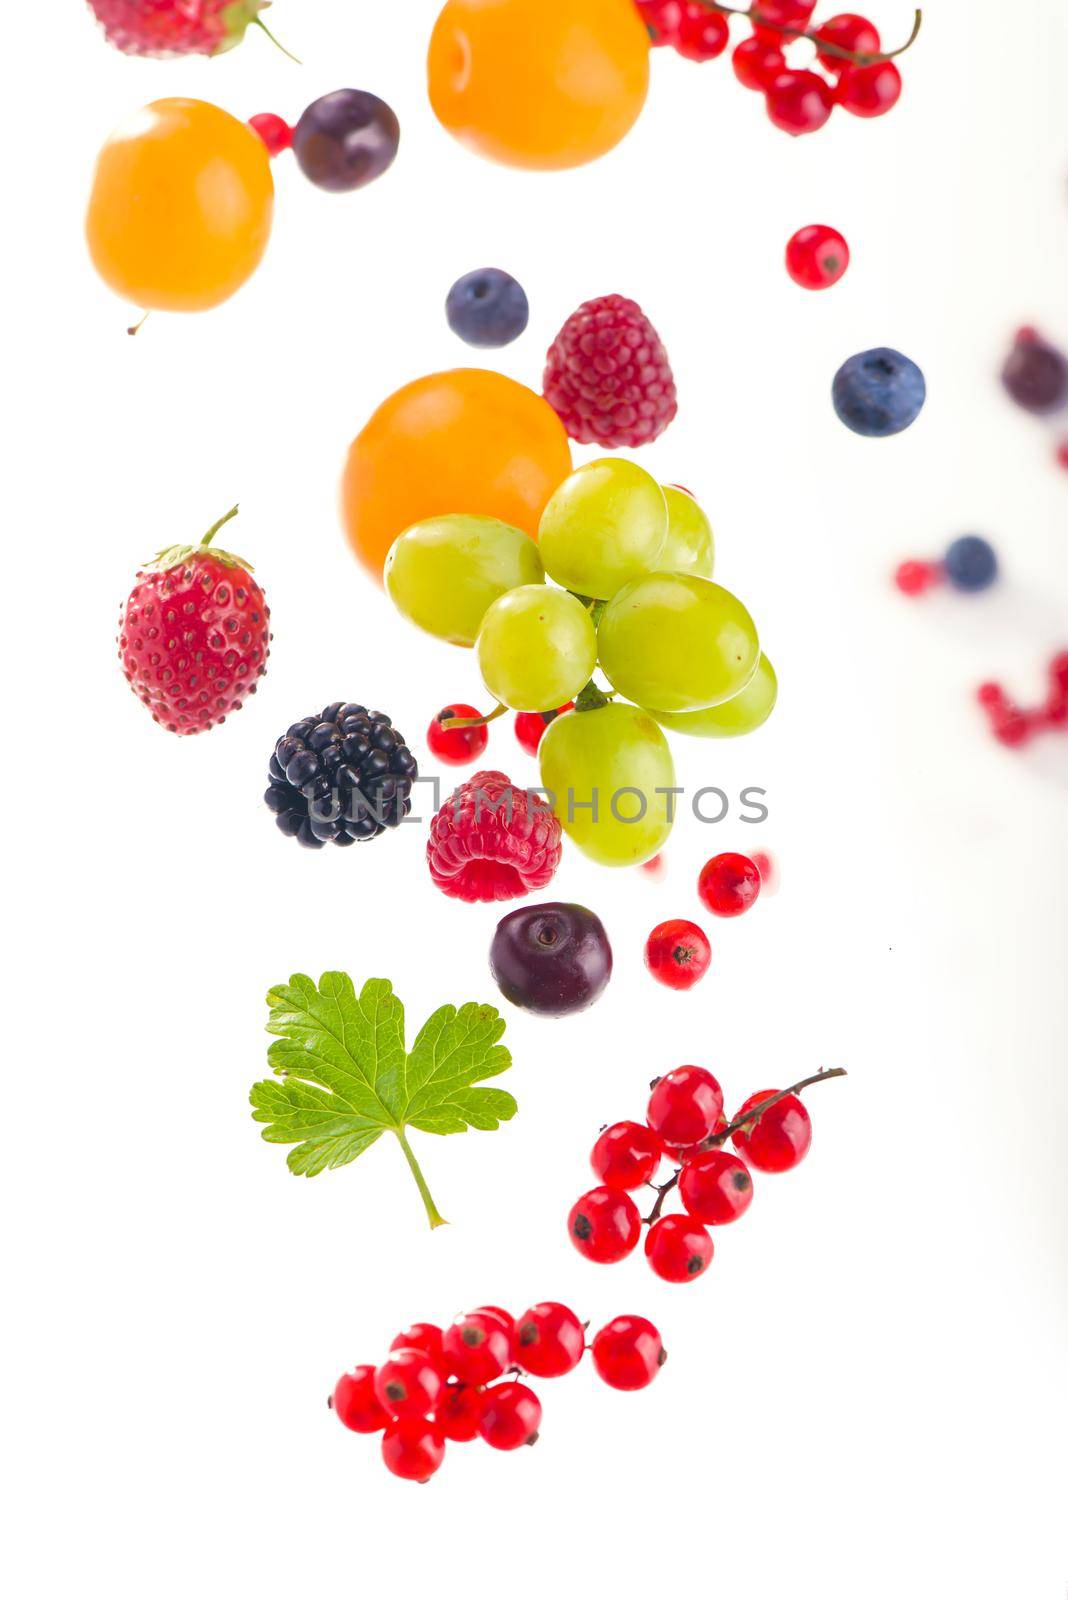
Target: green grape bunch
(630, 591)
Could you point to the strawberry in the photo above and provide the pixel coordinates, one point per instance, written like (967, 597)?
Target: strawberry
(177, 27)
(194, 635)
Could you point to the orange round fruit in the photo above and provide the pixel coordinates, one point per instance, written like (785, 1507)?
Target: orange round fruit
(181, 206)
(466, 441)
(539, 83)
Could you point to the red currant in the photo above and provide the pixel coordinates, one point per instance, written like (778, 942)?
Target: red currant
(799, 102)
(628, 1353)
(355, 1404)
(779, 1138)
(684, 1106)
(656, 867)
(916, 577)
(662, 18)
(504, 1319)
(816, 256)
(604, 1225)
(511, 1416)
(459, 1412)
(849, 32)
(626, 1155)
(677, 953)
(425, 1336)
(1012, 726)
(757, 63)
(530, 726)
(476, 1348)
(550, 1340)
(457, 746)
(716, 1187)
(728, 884)
(275, 132)
(769, 16)
(869, 91)
(413, 1448)
(702, 34)
(687, 1152)
(1058, 671)
(767, 866)
(678, 1249)
(1062, 454)
(408, 1384)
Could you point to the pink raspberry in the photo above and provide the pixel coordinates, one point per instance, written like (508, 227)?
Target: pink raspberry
(176, 27)
(492, 841)
(607, 375)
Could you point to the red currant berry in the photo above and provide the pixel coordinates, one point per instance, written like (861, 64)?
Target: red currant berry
(678, 1249)
(550, 1340)
(799, 102)
(530, 726)
(628, 1353)
(702, 34)
(684, 1106)
(768, 868)
(626, 1155)
(1058, 671)
(662, 18)
(1062, 454)
(656, 867)
(355, 1404)
(604, 1225)
(716, 1187)
(757, 63)
(816, 256)
(457, 746)
(504, 1319)
(413, 1448)
(1012, 726)
(728, 884)
(779, 1138)
(992, 696)
(916, 577)
(459, 1412)
(511, 1416)
(275, 132)
(425, 1336)
(408, 1384)
(476, 1348)
(677, 953)
(769, 16)
(849, 32)
(869, 91)
(688, 1152)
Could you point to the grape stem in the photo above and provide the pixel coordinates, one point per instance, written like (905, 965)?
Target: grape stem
(715, 1140)
(448, 723)
(859, 58)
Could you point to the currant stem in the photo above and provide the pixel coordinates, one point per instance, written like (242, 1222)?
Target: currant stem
(137, 326)
(859, 58)
(433, 1214)
(716, 1140)
(259, 23)
(474, 722)
(212, 531)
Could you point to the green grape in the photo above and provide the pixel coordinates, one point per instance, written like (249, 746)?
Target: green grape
(689, 546)
(444, 573)
(537, 648)
(603, 770)
(603, 526)
(675, 643)
(741, 714)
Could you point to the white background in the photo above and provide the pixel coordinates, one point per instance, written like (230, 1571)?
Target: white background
(865, 1394)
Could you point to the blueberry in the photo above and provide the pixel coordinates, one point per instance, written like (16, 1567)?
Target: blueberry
(487, 308)
(344, 140)
(878, 392)
(970, 564)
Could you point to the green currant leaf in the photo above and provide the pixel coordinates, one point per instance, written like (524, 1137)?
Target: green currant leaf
(347, 1077)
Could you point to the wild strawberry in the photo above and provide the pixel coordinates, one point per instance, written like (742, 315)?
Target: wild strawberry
(194, 635)
(177, 27)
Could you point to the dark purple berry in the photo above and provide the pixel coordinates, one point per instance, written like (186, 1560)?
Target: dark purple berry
(343, 141)
(487, 308)
(552, 959)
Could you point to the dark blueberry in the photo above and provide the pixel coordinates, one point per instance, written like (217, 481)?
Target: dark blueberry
(970, 564)
(329, 713)
(278, 798)
(487, 308)
(551, 959)
(1035, 374)
(346, 139)
(303, 767)
(878, 392)
(286, 749)
(323, 734)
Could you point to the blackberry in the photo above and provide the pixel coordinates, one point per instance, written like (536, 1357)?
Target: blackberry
(340, 777)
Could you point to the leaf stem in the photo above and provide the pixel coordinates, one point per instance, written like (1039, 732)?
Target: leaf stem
(258, 22)
(433, 1214)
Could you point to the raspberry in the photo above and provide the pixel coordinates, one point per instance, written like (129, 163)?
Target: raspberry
(492, 841)
(176, 27)
(607, 375)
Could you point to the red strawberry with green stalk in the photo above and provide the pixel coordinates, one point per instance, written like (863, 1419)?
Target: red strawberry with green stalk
(194, 635)
(179, 27)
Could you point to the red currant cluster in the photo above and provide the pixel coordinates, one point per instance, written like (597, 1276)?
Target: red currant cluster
(459, 1383)
(858, 75)
(1014, 725)
(458, 746)
(684, 1122)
